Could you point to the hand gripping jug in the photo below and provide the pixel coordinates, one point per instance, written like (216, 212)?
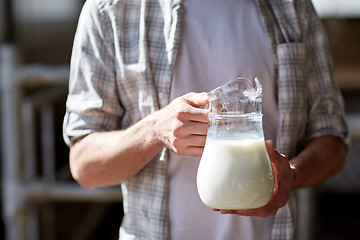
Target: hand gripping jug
(235, 171)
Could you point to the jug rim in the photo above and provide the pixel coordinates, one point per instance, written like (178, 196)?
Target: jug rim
(240, 115)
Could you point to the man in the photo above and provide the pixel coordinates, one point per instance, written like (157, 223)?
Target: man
(130, 117)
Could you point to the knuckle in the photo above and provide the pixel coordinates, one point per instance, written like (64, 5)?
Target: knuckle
(181, 111)
(189, 95)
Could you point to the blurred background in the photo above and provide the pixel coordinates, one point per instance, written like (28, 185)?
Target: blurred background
(40, 200)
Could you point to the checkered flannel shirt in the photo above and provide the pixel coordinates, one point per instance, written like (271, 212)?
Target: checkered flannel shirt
(121, 67)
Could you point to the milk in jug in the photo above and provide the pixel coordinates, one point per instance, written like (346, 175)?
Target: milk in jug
(235, 171)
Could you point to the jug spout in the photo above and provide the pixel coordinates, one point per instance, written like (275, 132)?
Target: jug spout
(254, 93)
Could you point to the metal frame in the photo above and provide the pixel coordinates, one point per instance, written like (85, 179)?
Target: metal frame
(22, 188)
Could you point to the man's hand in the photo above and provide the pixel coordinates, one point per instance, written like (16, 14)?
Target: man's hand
(182, 125)
(283, 184)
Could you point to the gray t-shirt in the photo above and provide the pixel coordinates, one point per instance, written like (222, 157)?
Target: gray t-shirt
(221, 40)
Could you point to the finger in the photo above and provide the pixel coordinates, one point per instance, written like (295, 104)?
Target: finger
(194, 128)
(193, 151)
(257, 212)
(195, 140)
(188, 107)
(193, 114)
(197, 99)
(227, 211)
(192, 145)
(283, 178)
(271, 150)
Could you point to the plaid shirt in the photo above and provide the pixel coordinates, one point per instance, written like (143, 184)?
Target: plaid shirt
(121, 67)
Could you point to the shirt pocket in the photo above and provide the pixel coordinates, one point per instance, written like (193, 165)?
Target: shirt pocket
(292, 95)
(292, 73)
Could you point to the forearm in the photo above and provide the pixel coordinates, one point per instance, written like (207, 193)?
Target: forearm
(321, 159)
(108, 158)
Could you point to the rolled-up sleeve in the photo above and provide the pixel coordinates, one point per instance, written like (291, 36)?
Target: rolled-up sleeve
(93, 103)
(326, 107)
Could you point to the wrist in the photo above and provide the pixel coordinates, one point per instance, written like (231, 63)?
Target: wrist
(153, 136)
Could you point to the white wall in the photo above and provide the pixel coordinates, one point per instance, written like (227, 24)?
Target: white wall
(337, 8)
(45, 10)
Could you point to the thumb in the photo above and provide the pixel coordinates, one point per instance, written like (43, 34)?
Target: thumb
(270, 148)
(273, 153)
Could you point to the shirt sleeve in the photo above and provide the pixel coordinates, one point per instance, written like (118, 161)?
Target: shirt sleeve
(326, 114)
(93, 103)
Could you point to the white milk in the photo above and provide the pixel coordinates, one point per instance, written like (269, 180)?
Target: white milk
(235, 174)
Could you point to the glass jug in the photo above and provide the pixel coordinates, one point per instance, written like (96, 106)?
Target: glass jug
(235, 171)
